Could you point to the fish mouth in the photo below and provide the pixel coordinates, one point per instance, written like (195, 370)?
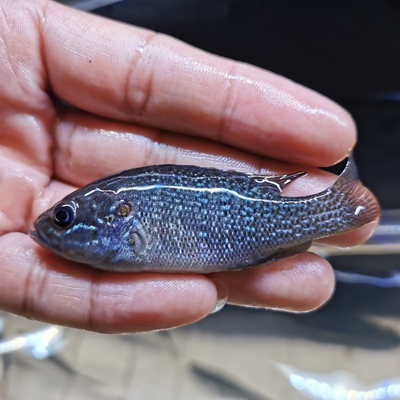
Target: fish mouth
(39, 238)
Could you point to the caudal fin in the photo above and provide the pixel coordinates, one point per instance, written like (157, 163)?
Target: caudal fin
(356, 199)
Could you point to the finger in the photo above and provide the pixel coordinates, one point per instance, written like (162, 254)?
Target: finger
(20, 186)
(300, 283)
(38, 284)
(135, 75)
(116, 146)
(26, 112)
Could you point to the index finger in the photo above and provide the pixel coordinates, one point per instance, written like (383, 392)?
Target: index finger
(136, 75)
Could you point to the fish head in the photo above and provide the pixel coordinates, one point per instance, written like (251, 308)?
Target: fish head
(92, 229)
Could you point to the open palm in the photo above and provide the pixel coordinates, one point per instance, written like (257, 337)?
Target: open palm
(82, 97)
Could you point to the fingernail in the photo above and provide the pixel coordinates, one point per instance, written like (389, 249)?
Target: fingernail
(222, 295)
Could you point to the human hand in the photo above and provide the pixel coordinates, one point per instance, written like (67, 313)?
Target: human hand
(139, 99)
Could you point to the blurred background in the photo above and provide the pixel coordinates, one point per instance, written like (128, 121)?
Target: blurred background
(350, 349)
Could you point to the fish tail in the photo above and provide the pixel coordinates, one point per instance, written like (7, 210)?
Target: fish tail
(358, 203)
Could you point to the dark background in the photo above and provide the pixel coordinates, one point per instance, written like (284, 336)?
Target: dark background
(347, 50)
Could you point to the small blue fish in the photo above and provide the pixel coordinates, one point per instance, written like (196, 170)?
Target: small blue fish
(175, 218)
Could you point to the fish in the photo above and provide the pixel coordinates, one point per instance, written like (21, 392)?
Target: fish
(176, 218)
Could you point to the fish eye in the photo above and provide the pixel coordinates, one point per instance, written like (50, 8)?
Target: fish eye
(123, 210)
(64, 215)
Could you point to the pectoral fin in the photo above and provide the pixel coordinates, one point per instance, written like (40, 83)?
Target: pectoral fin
(138, 239)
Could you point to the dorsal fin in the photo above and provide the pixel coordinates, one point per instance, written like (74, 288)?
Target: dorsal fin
(350, 171)
(276, 183)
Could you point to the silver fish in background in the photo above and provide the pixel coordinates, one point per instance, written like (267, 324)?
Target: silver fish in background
(175, 218)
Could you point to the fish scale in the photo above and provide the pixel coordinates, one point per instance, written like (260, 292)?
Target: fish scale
(174, 218)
